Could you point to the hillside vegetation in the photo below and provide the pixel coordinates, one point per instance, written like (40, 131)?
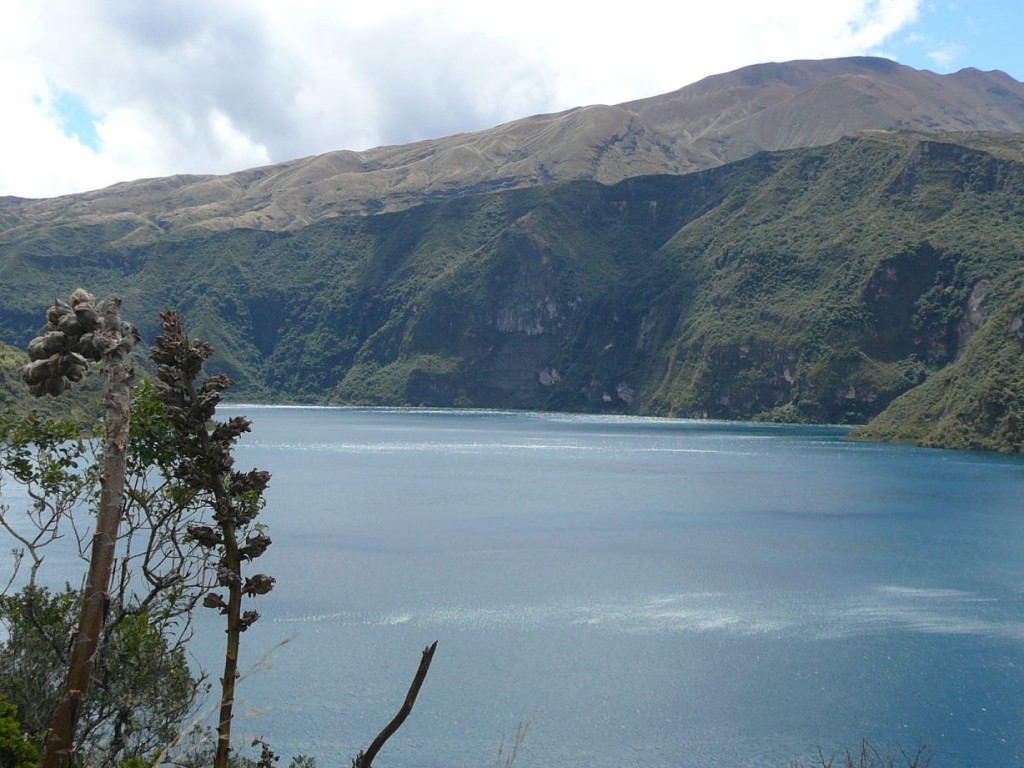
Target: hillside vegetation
(12, 392)
(808, 285)
(978, 403)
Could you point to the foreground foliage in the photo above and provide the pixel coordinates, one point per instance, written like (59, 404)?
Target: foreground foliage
(15, 750)
(98, 675)
(176, 465)
(142, 689)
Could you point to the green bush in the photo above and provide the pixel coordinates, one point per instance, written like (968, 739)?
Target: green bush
(15, 751)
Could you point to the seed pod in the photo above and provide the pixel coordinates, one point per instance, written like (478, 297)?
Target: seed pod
(68, 324)
(99, 345)
(56, 312)
(54, 365)
(213, 600)
(36, 372)
(254, 546)
(36, 349)
(81, 296)
(226, 577)
(260, 584)
(56, 385)
(60, 364)
(43, 346)
(74, 366)
(85, 348)
(205, 535)
(247, 619)
(87, 317)
(73, 359)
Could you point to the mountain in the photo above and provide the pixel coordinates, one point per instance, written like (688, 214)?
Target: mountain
(812, 103)
(820, 283)
(720, 119)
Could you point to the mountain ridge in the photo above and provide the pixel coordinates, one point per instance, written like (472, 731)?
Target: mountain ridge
(814, 284)
(719, 119)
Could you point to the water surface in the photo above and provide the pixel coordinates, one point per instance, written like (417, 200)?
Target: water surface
(651, 593)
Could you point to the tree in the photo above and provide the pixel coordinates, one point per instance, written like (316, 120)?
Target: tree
(144, 577)
(44, 457)
(77, 333)
(205, 465)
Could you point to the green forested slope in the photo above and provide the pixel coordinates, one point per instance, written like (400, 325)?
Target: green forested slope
(12, 392)
(976, 403)
(484, 283)
(811, 285)
(842, 279)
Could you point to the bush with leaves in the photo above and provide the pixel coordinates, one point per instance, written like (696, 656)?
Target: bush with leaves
(142, 689)
(15, 751)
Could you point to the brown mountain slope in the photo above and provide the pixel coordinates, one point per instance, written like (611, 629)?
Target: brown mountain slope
(813, 103)
(719, 119)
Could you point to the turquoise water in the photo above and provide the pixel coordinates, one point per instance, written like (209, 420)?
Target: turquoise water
(651, 593)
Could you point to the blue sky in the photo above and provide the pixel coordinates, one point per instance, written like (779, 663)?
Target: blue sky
(951, 34)
(100, 91)
(76, 121)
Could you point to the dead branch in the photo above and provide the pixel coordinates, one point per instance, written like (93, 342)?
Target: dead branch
(365, 759)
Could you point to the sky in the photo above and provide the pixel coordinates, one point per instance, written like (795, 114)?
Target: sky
(93, 92)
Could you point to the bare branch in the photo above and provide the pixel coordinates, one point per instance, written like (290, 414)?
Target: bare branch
(365, 759)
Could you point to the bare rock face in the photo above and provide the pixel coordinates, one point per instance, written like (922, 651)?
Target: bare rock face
(529, 315)
(974, 315)
(527, 318)
(525, 291)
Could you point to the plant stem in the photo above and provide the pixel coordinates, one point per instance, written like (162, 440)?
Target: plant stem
(96, 591)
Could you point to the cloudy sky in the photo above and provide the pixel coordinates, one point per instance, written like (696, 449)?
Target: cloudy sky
(99, 91)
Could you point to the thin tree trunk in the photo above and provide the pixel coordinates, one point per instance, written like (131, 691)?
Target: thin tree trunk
(233, 565)
(96, 591)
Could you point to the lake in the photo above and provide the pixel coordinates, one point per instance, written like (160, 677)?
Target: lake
(644, 592)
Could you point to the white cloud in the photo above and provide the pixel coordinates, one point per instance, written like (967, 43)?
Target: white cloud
(946, 57)
(189, 86)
